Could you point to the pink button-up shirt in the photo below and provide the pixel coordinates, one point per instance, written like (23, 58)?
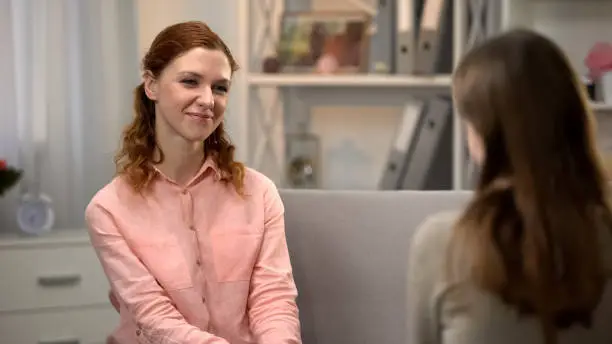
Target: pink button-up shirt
(198, 264)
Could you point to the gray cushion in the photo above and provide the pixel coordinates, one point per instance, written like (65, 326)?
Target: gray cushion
(349, 254)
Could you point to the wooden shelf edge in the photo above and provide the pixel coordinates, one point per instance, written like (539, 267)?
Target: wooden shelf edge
(601, 107)
(354, 80)
(365, 80)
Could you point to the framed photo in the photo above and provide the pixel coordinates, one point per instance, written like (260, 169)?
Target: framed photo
(324, 42)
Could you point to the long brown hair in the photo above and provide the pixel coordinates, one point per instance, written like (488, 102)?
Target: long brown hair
(533, 227)
(136, 154)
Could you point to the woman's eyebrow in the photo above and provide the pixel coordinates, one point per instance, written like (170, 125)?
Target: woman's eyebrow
(200, 76)
(190, 74)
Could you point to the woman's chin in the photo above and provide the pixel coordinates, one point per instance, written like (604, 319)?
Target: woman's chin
(196, 137)
(199, 132)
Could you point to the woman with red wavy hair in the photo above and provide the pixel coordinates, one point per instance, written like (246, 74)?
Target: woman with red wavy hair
(192, 242)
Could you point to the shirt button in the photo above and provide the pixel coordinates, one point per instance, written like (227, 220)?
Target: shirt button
(184, 192)
(203, 299)
(138, 332)
(192, 227)
(198, 262)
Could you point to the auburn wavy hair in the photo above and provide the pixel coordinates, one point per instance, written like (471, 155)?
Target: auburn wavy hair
(135, 157)
(534, 228)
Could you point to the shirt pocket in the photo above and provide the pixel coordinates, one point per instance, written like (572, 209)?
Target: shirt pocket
(167, 264)
(235, 255)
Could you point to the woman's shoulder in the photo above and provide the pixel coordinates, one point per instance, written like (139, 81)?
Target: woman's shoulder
(433, 234)
(255, 182)
(115, 193)
(430, 244)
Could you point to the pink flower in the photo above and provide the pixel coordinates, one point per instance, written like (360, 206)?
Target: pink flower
(599, 59)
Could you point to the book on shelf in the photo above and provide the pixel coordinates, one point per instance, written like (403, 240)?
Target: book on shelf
(403, 37)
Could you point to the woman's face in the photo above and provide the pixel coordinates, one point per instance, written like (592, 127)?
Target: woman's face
(475, 145)
(191, 94)
(475, 142)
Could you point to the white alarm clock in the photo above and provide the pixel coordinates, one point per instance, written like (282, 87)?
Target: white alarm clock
(35, 214)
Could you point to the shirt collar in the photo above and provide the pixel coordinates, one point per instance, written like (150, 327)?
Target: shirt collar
(209, 163)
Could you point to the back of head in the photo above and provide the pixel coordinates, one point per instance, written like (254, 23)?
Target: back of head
(541, 203)
(138, 147)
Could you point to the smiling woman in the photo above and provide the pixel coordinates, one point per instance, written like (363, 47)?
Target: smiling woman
(191, 96)
(184, 94)
(192, 242)
(187, 69)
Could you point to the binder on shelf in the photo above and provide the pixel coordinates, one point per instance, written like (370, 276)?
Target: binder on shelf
(434, 48)
(396, 163)
(428, 163)
(382, 42)
(407, 24)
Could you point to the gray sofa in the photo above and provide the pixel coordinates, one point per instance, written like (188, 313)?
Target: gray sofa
(349, 254)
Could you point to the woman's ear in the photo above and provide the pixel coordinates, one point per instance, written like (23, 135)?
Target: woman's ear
(150, 85)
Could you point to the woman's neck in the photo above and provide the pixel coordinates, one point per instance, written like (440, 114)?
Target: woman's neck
(182, 159)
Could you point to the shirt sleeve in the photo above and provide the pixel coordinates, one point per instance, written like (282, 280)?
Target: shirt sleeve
(157, 319)
(426, 254)
(273, 311)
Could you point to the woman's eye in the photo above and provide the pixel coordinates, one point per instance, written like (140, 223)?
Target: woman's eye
(220, 89)
(190, 82)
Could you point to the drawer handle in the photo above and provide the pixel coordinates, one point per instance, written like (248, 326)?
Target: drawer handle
(59, 280)
(60, 341)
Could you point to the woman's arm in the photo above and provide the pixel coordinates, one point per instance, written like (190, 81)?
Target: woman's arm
(113, 300)
(158, 320)
(273, 312)
(427, 255)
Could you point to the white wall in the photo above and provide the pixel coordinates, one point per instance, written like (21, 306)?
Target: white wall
(576, 26)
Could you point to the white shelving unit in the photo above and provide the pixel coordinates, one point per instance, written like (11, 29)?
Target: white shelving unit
(327, 81)
(575, 25)
(265, 93)
(602, 108)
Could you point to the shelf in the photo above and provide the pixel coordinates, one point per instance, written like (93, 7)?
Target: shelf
(556, 1)
(601, 107)
(564, 1)
(358, 80)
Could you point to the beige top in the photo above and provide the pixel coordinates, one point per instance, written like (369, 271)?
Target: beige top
(436, 315)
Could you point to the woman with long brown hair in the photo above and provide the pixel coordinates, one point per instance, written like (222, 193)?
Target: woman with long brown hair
(530, 258)
(192, 242)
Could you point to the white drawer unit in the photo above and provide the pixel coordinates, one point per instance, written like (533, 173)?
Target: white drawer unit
(53, 291)
(79, 325)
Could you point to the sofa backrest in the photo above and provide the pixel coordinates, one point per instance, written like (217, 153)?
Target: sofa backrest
(349, 253)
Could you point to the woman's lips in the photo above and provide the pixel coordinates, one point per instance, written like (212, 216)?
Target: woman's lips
(200, 117)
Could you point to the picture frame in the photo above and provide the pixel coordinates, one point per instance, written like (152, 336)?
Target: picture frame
(327, 42)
